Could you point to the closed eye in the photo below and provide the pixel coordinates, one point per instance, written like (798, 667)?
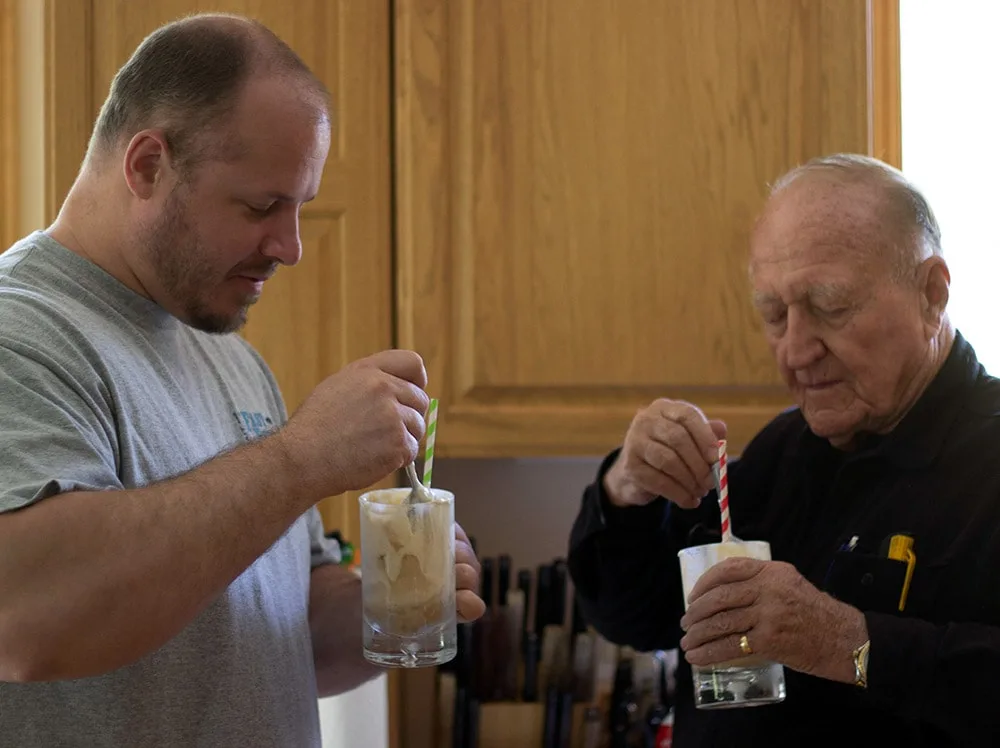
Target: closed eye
(259, 211)
(832, 312)
(773, 315)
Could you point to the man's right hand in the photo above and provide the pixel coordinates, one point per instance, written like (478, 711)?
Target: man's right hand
(669, 451)
(360, 424)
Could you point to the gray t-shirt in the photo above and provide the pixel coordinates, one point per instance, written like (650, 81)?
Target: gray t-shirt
(101, 388)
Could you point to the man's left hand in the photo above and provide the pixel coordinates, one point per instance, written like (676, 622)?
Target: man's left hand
(470, 605)
(784, 617)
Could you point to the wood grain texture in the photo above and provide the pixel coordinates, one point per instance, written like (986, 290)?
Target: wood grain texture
(69, 95)
(10, 162)
(575, 187)
(886, 128)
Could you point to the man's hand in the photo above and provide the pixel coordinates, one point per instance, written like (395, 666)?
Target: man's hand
(784, 617)
(669, 451)
(358, 425)
(470, 605)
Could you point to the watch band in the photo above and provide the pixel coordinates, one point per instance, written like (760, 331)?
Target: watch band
(861, 665)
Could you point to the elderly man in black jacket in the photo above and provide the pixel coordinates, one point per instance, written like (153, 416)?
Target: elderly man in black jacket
(896, 431)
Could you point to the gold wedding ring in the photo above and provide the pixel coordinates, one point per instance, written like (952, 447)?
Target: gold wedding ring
(745, 647)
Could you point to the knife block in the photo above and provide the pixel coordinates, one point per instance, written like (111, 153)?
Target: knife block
(517, 725)
(509, 724)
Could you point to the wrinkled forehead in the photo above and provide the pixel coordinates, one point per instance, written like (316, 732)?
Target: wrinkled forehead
(817, 224)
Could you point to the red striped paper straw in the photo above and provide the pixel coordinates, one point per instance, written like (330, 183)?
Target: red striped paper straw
(727, 530)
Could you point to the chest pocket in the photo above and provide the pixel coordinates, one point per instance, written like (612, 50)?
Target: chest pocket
(868, 582)
(878, 584)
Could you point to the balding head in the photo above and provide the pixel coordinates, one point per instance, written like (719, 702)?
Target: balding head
(849, 282)
(909, 231)
(186, 79)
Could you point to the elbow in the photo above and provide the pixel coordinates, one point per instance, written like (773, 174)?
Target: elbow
(23, 659)
(30, 653)
(24, 671)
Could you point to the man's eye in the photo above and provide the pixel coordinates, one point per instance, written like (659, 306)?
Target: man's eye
(774, 317)
(260, 211)
(832, 312)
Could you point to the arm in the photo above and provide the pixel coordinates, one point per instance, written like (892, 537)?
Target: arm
(91, 580)
(937, 675)
(624, 543)
(623, 562)
(335, 624)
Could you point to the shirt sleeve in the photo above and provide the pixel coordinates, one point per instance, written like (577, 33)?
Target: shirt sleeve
(324, 550)
(58, 428)
(623, 562)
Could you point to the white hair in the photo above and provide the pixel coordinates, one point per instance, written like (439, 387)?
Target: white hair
(917, 234)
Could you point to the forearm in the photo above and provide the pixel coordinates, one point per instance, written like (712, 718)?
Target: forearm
(626, 573)
(92, 581)
(938, 675)
(335, 624)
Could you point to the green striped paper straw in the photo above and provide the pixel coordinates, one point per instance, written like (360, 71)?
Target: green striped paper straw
(432, 417)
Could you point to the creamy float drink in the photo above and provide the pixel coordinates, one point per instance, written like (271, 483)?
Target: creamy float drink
(408, 578)
(744, 681)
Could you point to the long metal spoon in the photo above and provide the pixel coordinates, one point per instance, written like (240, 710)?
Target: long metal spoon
(420, 493)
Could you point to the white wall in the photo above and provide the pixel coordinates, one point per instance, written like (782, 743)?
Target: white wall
(356, 719)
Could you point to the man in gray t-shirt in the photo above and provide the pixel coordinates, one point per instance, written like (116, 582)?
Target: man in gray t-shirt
(164, 578)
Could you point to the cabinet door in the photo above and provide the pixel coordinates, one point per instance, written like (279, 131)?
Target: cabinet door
(576, 181)
(10, 135)
(336, 305)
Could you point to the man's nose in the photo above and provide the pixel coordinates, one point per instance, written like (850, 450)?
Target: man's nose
(283, 242)
(802, 345)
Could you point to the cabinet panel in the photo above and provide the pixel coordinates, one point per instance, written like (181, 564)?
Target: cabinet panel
(575, 187)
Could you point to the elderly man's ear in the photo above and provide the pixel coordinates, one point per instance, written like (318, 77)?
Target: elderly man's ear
(936, 280)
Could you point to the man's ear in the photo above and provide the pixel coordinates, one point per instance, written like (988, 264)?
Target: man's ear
(146, 163)
(935, 281)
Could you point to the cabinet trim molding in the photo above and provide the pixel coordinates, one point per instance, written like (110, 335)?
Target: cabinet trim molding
(69, 83)
(10, 161)
(885, 139)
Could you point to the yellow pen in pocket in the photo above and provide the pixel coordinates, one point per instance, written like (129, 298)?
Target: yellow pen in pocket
(901, 549)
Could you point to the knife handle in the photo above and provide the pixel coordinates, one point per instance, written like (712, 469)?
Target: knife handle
(503, 579)
(531, 656)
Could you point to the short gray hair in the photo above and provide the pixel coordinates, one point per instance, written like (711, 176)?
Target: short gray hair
(186, 77)
(913, 219)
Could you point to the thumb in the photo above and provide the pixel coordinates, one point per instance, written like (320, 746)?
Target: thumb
(718, 428)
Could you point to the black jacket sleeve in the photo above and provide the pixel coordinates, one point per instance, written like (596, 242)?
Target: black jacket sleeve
(624, 564)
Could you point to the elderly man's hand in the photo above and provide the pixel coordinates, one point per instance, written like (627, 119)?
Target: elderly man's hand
(784, 617)
(470, 605)
(669, 450)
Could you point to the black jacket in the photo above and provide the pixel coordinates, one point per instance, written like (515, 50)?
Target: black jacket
(934, 670)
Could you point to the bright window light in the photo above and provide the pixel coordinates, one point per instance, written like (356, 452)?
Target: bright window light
(950, 67)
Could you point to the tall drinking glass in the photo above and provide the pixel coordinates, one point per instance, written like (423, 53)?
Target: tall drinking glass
(408, 578)
(745, 681)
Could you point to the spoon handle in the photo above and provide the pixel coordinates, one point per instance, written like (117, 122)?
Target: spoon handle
(411, 473)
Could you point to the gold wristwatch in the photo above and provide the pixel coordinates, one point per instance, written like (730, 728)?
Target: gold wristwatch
(861, 665)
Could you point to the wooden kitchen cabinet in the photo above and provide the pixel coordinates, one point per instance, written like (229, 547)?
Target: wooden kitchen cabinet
(575, 184)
